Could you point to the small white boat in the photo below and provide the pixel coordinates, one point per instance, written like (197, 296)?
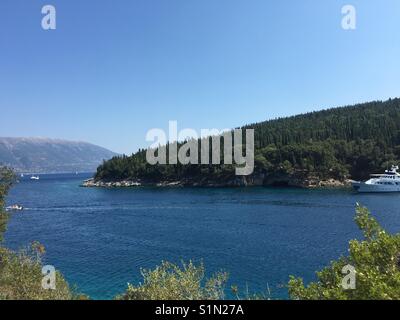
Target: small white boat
(35, 178)
(385, 182)
(15, 207)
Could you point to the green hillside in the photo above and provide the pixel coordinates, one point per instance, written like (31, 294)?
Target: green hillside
(338, 143)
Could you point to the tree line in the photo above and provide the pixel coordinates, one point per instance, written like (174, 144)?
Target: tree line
(339, 143)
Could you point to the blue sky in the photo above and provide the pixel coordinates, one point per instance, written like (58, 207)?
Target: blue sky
(112, 70)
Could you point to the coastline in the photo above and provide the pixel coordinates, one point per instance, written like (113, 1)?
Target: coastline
(311, 183)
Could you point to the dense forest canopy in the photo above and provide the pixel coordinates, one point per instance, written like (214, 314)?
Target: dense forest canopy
(338, 143)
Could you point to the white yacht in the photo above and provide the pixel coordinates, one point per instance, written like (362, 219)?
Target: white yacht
(385, 182)
(35, 178)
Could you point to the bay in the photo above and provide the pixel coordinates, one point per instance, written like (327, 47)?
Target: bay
(100, 238)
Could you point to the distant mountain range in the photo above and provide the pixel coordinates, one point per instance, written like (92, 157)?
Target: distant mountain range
(42, 155)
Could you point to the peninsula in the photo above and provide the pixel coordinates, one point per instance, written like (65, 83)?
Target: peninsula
(318, 149)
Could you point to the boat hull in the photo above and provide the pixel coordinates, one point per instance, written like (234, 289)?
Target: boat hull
(363, 187)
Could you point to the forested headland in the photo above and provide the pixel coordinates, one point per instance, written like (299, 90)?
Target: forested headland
(304, 150)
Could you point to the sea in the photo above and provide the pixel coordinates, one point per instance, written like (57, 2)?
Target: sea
(100, 239)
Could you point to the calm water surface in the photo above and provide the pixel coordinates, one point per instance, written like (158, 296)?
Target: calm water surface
(101, 238)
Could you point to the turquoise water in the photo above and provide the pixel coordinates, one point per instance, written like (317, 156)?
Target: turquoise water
(100, 238)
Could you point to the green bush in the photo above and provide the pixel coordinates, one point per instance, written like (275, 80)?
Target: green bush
(376, 260)
(172, 282)
(21, 277)
(7, 178)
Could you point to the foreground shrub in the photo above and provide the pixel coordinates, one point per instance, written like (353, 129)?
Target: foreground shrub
(7, 178)
(21, 277)
(376, 260)
(172, 282)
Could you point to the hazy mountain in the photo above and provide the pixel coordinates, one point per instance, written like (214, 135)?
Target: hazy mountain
(41, 155)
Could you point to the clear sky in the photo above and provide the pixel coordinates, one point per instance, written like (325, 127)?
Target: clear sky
(112, 70)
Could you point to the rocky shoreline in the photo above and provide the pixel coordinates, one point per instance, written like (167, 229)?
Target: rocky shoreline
(251, 181)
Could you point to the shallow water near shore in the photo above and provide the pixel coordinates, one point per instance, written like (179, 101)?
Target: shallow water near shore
(100, 238)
